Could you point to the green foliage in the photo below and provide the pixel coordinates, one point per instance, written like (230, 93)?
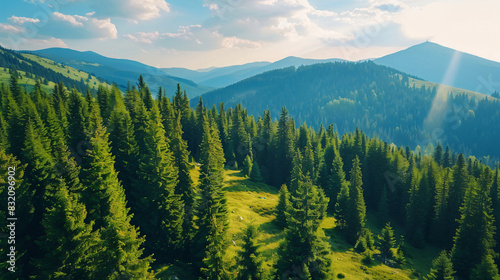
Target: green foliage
(247, 166)
(249, 260)
(283, 206)
(486, 270)
(255, 174)
(356, 209)
(387, 242)
(442, 268)
(303, 246)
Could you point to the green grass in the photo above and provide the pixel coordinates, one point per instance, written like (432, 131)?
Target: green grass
(27, 83)
(67, 71)
(254, 203)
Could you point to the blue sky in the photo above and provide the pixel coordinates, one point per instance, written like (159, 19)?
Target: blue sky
(204, 33)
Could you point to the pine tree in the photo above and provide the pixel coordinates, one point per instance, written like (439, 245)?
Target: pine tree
(105, 200)
(160, 212)
(387, 242)
(356, 209)
(442, 268)
(77, 118)
(185, 186)
(247, 166)
(249, 260)
(255, 174)
(69, 246)
(342, 206)
(282, 207)
(458, 187)
(474, 238)
(438, 154)
(486, 270)
(303, 247)
(296, 175)
(211, 207)
(284, 149)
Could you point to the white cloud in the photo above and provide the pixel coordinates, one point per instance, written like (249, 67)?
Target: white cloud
(10, 29)
(76, 26)
(130, 9)
(143, 37)
(22, 20)
(234, 42)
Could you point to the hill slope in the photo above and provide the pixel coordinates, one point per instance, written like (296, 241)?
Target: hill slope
(32, 68)
(224, 76)
(380, 100)
(120, 71)
(446, 66)
(254, 203)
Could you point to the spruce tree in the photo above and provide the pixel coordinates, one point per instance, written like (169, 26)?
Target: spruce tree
(474, 238)
(160, 212)
(249, 260)
(485, 270)
(211, 208)
(356, 209)
(442, 268)
(304, 248)
(247, 166)
(255, 174)
(106, 205)
(282, 207)
(69, 246)
(458, 187)
(387, 242)
(77, 118)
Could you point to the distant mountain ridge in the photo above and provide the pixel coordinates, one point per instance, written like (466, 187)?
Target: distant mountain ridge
(443, 65)
(224, 76)
(120, 71)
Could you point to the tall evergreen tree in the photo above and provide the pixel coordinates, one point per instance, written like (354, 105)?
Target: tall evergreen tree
(356, 209)
(105, 200)
(474, 238)
(304, 253)
(282, 207)
(442, 268)
(249, 260)
(486, 270)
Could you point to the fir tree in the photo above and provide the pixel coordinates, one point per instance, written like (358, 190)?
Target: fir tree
(283, 205)
(356, 209)
(255, 174)
(69, 246)
(442, 268)
(303, 247)
(387, 242)
(249, 260)
(105, 200)
(474, 238)
(486, 270)
(247, 166)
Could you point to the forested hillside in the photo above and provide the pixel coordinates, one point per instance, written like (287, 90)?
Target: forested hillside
(124, 186)
(36, 68)
(379, 100)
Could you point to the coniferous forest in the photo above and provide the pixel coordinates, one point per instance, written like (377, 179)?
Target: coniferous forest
(112, 185)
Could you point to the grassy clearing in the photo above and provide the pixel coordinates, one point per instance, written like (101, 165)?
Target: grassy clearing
(27, 83)
(67, 71)
(254, 203)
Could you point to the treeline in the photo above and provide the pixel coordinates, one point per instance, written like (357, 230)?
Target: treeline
(104, 189)
(379, 100)
(17, 62)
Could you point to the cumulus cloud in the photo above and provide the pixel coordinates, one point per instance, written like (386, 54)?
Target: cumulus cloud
(78, 27)
(130, 9)
(23, 20)
(191, 38)
(10, 29)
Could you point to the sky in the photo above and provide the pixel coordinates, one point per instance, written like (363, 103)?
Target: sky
(199, 34)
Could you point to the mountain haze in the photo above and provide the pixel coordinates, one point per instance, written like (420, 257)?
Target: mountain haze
(447, 66)
(120, 71)
(224, 76)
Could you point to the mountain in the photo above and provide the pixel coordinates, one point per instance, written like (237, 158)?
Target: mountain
(32, 68)
(224, 76)
(120, 71)
(443, 65)
(380, 100)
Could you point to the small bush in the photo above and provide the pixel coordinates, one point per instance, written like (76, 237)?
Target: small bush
(341, 275)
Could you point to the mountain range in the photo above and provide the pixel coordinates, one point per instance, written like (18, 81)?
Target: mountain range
(120, 71)
(439, 64)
